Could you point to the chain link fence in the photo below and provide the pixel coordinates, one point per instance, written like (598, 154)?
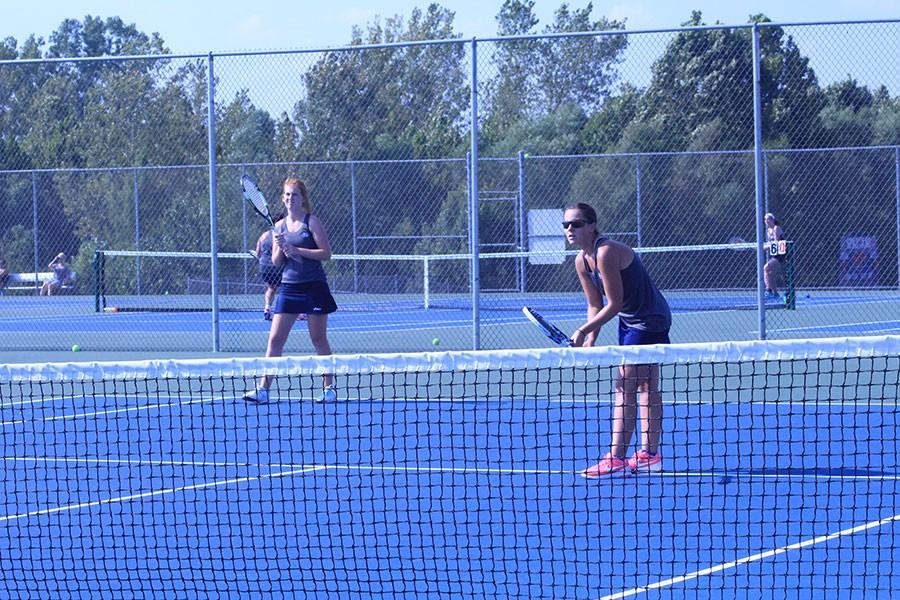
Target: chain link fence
(109, 162)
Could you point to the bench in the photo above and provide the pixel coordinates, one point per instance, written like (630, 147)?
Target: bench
(34, 281)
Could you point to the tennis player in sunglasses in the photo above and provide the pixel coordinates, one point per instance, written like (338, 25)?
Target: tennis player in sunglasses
(611, 269)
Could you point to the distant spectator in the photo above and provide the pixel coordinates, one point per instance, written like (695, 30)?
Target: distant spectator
(4, 274)
(62, 275)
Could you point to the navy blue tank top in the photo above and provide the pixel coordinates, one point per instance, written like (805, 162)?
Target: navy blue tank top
(643, 306)
(301, 270)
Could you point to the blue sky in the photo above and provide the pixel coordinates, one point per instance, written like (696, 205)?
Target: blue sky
(201, 26)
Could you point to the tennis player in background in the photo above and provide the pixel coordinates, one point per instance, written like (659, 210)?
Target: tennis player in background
(269, 273)
(612, 269)
(300, 245)
(774, 268)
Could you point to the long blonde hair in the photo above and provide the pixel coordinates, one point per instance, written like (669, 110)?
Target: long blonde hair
(304, 193)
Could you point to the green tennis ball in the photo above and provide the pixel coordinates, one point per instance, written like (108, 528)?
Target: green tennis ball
(76, 348)
(436, 342)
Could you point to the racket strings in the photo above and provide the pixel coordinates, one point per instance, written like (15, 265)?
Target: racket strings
(255, 197)
(258, 202)
(553, 332)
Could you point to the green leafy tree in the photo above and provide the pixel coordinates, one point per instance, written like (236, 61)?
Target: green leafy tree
(508, 93)
(703, 75)
(605, 128)
(388, 104)
(287, 140)
(244, 133)
(811, 188)
(401, 92)
(536, 76)
(101, 115)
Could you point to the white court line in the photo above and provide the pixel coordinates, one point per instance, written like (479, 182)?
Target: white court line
(672, 474)
(151, 494)
(445, 469)
(113, 412)
(38, 401)
(600, 399)
(750, 475)
(425, 469)
(753, 558)
(139, 462)
(712, 402)
(296, 468)
(892, 325)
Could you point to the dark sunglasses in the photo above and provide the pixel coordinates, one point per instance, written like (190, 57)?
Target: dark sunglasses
(576, 224)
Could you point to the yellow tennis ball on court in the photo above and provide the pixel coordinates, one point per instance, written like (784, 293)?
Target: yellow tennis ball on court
(436, 342)
(76, 348)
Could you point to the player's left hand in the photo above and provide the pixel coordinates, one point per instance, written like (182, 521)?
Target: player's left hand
(578, 338)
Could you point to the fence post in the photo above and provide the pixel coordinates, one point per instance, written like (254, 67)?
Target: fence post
(758, 183)
(897, 205)
(473, 200)
(34, 223)
(353, 225)
(137, 230)
(213, 232)
(637, 191)
(522, 224)
(245, 234)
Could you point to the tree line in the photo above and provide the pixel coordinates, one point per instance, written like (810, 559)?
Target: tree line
(72, 134)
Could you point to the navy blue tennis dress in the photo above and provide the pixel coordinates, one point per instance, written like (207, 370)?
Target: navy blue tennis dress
(645, 317)
(304, 286)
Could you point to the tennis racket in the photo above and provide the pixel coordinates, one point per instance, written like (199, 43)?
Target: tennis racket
(550, 330)
(255, 198)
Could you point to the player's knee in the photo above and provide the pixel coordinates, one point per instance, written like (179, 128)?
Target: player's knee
(276, 343)
(627, 383)
(319, 341)
(648, 386)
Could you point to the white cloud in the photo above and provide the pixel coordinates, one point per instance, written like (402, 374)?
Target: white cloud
(636, 15)
(358, 16)
(250, 27)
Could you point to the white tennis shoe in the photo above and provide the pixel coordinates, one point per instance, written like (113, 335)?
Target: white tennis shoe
(259, 396)
(329, 394)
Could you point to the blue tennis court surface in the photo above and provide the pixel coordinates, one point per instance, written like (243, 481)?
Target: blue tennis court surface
(443, 495)
(58, 323)
(837, 329)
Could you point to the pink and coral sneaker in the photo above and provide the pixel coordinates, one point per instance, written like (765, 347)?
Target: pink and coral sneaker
(643, 461)
(608, 466)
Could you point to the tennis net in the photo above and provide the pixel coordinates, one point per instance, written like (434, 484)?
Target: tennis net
(693, 278)
(448, 475)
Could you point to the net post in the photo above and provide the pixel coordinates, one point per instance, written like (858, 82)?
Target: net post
(790, 298)
(522, 222)
(426, 283)
(99, 292)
